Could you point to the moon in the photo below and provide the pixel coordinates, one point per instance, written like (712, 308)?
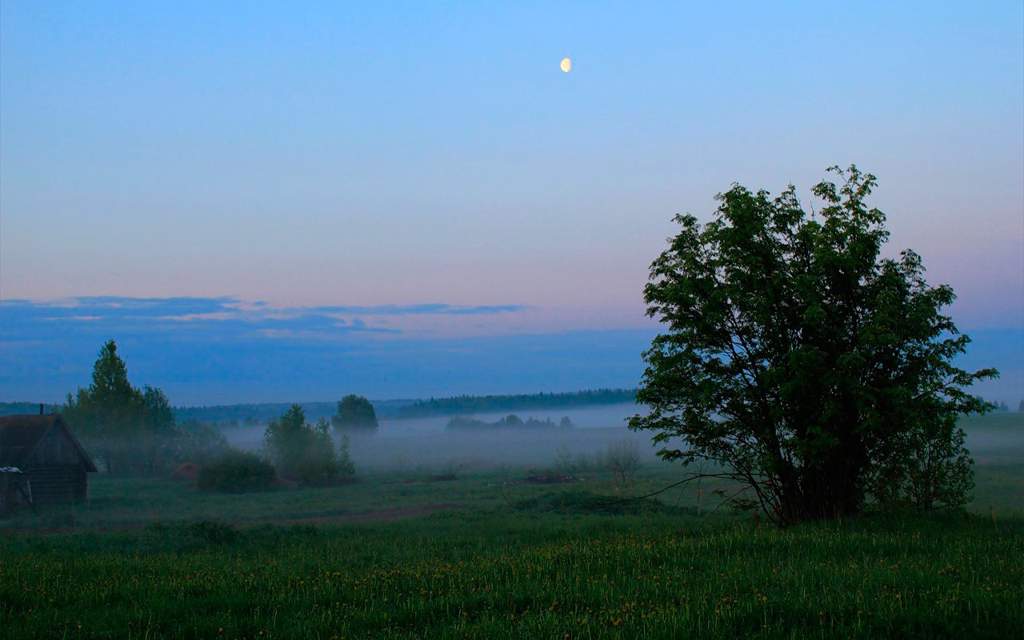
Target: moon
(566, 65)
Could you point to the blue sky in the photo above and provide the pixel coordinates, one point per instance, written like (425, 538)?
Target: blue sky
(306, 156)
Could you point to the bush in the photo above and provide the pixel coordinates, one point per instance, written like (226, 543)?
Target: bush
(622, 459)
(301, 451)
(237, 472)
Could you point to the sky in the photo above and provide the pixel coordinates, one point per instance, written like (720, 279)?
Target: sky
(278, 201)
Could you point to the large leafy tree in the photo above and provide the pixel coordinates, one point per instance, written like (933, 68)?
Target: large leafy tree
(810, 368)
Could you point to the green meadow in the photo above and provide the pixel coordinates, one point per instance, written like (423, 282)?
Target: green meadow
(491, 554)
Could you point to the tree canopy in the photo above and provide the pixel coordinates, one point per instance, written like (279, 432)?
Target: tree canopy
(129, 428)
(302, 451)
(812, 369)
(354, 412)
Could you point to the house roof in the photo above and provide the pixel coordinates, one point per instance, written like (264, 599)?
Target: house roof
(20, 435)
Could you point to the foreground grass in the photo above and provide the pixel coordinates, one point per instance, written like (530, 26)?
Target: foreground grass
(150, 558)
(523, 574)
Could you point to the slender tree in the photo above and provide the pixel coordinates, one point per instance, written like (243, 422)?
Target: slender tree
(131, 430)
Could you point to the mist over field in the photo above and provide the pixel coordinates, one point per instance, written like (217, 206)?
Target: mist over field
(425, 445)
(420, 444)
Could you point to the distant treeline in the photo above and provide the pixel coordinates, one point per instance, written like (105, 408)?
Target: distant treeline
(508, 422)
(263, 413)
(23, 408)
(258, 414)
(489, 404)
(253, 414)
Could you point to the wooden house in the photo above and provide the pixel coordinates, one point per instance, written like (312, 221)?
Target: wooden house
(42, 451)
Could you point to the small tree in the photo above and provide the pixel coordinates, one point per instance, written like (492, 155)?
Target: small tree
(301, 451)
(346, 468)
(815, 372)
(355, 413)
(159, 430)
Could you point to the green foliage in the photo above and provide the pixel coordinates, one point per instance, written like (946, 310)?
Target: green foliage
(354, 412)
(236, 472)
(130, 430)
(819, 373)
(301, 451)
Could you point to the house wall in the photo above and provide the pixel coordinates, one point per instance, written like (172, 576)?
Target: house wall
(55, 471)
(53, 484)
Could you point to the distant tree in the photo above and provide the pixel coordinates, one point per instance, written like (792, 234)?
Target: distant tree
(110, 414)
(815, 372)
(346, 468)
(302, 451)
(511, 420)
(133, 430)
(159, 431)
(198, 442)
(1020, 407)
(356, 413)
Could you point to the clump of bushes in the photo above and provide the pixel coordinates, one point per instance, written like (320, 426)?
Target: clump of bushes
(305, 453)
(236, 472)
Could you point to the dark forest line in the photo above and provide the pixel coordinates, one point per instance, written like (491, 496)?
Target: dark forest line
(260, 413)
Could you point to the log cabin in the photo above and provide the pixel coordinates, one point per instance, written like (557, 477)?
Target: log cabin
(47, 455)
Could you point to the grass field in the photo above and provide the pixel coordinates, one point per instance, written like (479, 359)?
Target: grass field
(488, 555)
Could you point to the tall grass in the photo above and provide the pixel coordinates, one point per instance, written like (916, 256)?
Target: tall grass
(523, 575)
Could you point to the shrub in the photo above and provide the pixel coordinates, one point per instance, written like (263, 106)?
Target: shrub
(622, 459)
(302, 451)
(237, 472)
